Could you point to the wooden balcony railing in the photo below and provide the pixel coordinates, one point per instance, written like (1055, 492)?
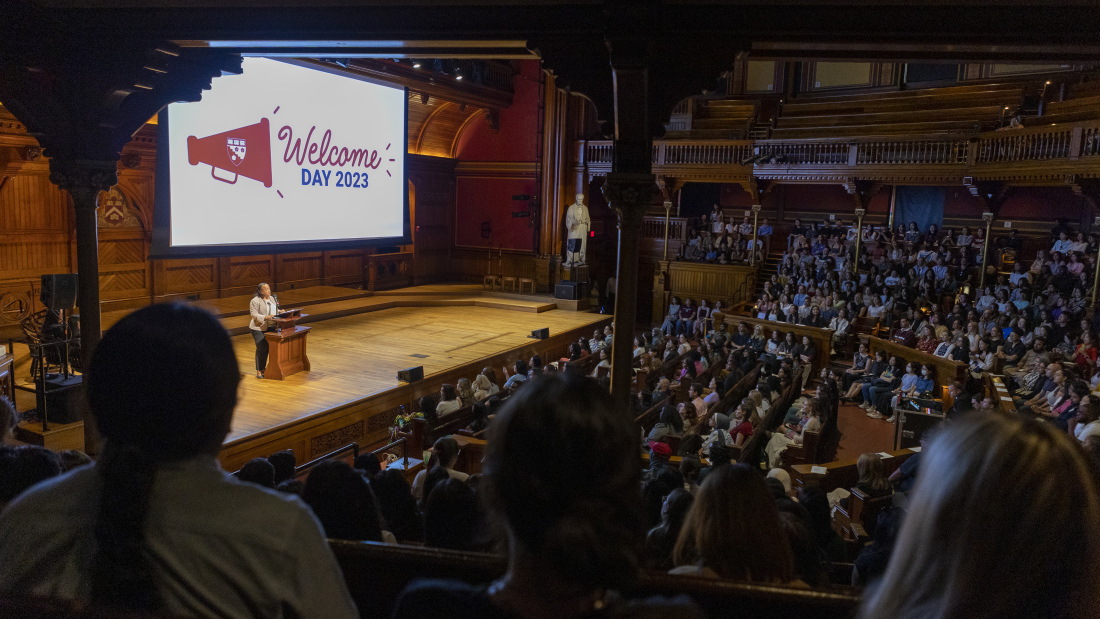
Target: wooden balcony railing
(1054, 145)
(1032, 144)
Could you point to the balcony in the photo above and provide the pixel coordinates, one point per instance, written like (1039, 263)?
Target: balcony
(1040, 155)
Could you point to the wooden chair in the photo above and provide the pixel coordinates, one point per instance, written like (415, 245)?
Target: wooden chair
(508, 281)
(491, 282)
(856, 522)
(525, 281)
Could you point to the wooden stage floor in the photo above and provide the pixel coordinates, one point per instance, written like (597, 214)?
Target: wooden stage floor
(359, 355)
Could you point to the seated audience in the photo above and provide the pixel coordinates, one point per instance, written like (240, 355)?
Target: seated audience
(154, 525)
(733, 531)
(572, 539)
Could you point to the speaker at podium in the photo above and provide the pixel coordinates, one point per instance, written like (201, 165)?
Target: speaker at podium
(244, 151)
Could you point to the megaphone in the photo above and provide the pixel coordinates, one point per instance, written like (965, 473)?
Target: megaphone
(245, 151)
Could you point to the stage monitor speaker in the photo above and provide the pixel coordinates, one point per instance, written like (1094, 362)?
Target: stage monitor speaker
(59, 291)
(61, 400)
(566, 290)
(540, 334)
(411, 375)
(573, 245)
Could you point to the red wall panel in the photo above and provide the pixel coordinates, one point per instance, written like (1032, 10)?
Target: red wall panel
(517, 137)
(489, 199)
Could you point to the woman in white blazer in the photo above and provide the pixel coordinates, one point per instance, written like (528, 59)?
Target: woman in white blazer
(263, 306)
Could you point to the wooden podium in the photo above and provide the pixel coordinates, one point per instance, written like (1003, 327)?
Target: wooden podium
(286, 346)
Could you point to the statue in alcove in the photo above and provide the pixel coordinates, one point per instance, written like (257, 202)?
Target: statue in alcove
(577, 225)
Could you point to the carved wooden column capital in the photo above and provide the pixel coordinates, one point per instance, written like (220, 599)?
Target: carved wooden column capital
(83, 179)
(629, 194)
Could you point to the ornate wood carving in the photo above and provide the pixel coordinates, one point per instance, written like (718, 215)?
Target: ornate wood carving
(325, 443)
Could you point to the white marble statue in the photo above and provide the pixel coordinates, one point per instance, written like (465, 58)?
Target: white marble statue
(577, 225)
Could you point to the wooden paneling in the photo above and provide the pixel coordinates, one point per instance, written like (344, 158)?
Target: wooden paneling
(298, 270)
(713, 282)
(471, 265)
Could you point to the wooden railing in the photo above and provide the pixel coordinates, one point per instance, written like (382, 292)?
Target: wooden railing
(1054, 144)
(1034, 144)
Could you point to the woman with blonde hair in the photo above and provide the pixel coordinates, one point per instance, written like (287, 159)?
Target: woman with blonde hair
(465, 391)
(484, 388)
(759, 404)
(1004, 522)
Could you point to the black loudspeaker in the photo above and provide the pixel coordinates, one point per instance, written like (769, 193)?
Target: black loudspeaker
(572, 245)
(540, 334)
(411, 375)
(61, 400)
(59, 291)
(566, 290)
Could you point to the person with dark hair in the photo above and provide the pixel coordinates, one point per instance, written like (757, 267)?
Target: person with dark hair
(448, 400)
(258, 471)
(661, 539)
(434, 476)
(284, 462)
(871, 562)
(428, 410)
(816, 503)
(718, 456)
(572, 538)
(451, 516)
(154, 525)
(481, 417)
(670, 423)
(23, 467)
(292, 486)
(520, 375)
(342, 500)
(367, 464)
(1016, 536)
(398, 505)
(445, 455)
(262, 309)
(733, 531)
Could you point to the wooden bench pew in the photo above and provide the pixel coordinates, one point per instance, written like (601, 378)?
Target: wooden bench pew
(376, 574)
(842, 473)
(947, 370)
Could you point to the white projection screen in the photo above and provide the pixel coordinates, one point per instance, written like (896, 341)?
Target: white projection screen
(286, 156)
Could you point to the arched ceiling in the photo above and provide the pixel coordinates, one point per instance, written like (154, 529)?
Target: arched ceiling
(435, 126)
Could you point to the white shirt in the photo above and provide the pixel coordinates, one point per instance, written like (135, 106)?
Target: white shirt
(218, 547)
(447, 406)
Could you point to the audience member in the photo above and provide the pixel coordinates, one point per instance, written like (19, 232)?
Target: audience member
(1007, 511)
(258, 471)
(115, 534)
(733, 531)
(284, 463)
(572, 537)
(342, 500)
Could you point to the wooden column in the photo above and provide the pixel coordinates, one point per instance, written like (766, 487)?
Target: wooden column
(629, 190)
(84, 180)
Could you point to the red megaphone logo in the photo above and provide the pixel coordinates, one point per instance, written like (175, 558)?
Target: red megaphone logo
(241, 152)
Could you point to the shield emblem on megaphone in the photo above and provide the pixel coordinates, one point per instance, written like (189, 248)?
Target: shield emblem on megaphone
(227, 151)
